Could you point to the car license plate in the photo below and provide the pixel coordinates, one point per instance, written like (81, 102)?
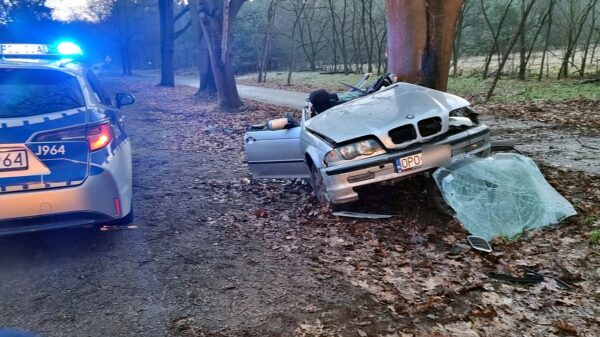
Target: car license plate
(13, 160)
(409, 162)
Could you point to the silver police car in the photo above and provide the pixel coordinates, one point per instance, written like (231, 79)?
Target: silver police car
(65, 158)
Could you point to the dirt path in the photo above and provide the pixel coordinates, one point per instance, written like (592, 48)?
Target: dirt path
(184, 271)
(217, 254)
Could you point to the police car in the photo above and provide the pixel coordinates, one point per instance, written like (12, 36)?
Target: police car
(65, 158)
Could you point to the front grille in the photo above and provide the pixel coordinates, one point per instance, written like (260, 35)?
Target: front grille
(430, 126)
(403, 134)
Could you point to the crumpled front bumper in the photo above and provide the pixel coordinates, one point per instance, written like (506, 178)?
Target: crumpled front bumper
(341, 180)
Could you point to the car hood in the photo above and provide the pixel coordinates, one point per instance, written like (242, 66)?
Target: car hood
(376, 114)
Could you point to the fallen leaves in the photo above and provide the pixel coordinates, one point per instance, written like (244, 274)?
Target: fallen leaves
(416, 264)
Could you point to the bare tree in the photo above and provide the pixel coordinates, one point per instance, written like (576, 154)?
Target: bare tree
(460, 26)
(495, 35)
(511, 45)
(264, 58)
(575, 28)
(215, 19)
(547, 39)
(588, 40)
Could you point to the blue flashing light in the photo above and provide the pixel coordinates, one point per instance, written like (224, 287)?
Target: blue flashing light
(69, 48)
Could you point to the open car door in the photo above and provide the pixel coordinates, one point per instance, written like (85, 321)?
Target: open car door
(273, 150)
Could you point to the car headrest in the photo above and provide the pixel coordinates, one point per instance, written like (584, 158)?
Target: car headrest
(319, 97)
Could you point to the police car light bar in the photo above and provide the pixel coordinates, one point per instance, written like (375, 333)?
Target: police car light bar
(60, 50)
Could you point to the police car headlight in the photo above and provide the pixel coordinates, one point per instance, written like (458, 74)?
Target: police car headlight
(366, 147)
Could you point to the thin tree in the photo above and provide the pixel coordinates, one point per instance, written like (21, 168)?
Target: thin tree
(547, 39)
(268, 38)
(508, 50)
(588, 41)
(495, 35)
(576, 24)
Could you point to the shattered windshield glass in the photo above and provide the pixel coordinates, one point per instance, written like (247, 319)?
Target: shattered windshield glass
(501, 195)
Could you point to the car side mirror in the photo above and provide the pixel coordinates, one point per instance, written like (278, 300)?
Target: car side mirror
(124, 99)
(278, 124)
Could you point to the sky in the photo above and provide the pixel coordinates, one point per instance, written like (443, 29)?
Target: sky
(79, 10)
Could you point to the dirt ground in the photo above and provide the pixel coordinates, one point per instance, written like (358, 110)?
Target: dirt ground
(217, 254)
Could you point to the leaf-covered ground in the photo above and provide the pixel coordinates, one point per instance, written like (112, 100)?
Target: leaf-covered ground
(218, 254)
(416, 265)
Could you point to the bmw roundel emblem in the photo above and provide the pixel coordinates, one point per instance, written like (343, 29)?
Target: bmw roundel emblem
(410, 116)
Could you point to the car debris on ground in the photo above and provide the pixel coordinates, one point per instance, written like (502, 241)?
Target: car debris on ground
(359, 215)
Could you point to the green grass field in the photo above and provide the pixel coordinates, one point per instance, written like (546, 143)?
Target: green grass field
(508, 90)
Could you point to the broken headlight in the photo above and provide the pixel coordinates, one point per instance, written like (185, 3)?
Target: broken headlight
(465, 112)
(462, 119)
(365, 147)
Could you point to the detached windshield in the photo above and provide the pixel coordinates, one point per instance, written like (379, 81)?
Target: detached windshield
(29, 92)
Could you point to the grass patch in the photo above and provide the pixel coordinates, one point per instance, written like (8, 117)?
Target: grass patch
(508, 90)
(512, 90)
(594, 238)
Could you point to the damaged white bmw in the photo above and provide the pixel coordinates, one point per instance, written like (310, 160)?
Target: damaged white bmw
(380, 134)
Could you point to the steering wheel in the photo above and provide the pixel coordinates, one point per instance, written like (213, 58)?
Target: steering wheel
(381, 82)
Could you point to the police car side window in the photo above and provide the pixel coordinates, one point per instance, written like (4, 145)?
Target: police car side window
(97, 88)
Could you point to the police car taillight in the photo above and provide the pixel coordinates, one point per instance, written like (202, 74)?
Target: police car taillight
(99, 136)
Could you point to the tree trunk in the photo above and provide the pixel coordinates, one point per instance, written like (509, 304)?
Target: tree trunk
(334, 34)
(535, 38)
(216, 18)
(205, 75)
(574, 33)
(588, 42)
(547, 42)
(264, 57)
(511, 45)
(167, 43)
(420, 38)
(523, 45)
(495, 35)
(342, 38)
(458, 36)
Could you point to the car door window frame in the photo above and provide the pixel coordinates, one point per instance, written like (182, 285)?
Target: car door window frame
(97, 88)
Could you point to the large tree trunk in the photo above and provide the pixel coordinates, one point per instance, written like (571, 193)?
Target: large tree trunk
(205, 74)
(216, 18)
(420, 38)
(167, 42)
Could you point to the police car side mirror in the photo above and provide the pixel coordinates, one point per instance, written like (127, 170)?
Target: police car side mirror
(124, 99)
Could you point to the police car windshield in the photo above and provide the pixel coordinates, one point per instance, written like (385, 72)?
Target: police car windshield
(29, 92)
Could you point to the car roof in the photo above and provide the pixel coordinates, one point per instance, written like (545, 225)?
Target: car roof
(64, 65)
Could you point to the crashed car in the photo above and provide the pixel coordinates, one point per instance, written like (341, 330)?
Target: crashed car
(382, 134)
